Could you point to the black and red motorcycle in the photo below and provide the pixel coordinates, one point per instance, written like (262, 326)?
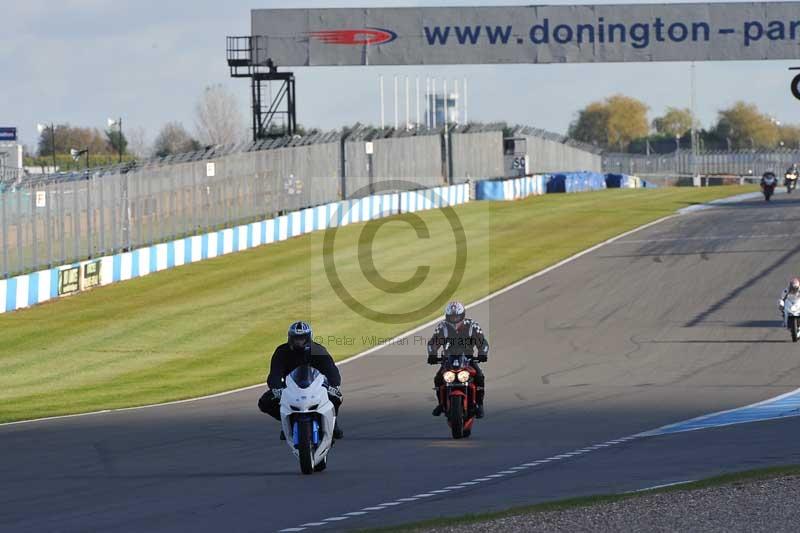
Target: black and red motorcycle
(458, 394)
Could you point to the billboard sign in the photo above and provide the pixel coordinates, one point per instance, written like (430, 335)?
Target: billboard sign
(69, 280)
(527, 34)
(8, 134)
(91, 275)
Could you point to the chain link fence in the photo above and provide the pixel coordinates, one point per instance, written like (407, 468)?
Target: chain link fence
(56, 219)
(747, 163)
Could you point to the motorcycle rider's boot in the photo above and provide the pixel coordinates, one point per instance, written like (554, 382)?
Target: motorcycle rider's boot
(337, 431)
(479, 410)
(438, 410)
(283, 435)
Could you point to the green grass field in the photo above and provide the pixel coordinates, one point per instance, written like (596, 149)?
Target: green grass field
(211, 326)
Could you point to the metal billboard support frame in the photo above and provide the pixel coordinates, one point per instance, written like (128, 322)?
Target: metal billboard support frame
(266, 107)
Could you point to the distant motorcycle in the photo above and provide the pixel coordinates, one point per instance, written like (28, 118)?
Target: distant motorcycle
(308, 418)
(458, 394)
(791, 314)
(790, 181)
(768, 184)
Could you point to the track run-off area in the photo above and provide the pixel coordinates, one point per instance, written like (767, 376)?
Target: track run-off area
(659, 326)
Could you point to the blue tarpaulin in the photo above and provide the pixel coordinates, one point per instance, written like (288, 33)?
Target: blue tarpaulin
(575, 182)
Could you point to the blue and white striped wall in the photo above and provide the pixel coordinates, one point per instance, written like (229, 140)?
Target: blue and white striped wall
(31, 289)
(511, 189)
(517, 188)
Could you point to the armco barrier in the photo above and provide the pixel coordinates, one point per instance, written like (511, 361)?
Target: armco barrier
(30, 289)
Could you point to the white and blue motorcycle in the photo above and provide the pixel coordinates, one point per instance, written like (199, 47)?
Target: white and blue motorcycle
(308, 417)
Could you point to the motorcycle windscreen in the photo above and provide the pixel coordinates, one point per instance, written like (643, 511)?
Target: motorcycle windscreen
(304, 375)
(457, 361)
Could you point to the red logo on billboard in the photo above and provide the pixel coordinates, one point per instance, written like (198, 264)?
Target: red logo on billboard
(364, 36)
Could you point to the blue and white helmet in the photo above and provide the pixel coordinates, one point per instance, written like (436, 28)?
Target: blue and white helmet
(299, 335)
(454, 313)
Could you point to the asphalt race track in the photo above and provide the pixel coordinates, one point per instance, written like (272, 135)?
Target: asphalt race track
(669, 323)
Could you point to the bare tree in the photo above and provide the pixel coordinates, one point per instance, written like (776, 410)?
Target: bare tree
(174, 139)
(217, 117)
(137, 142)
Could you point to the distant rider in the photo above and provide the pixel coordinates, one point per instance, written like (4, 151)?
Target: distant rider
(460, 332)
(299, 350)
(793, 290)
(794, 169)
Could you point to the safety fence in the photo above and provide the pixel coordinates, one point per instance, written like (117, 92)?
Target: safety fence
(30, 289)
(705, 163)
(49, 220)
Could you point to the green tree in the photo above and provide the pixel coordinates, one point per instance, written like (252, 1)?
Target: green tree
(789, 135)
(68, 137)
(591, 126)
(174, 139)
(675, 122)
(614, 122)
(117, 141)
(627, 120)
(747, 127)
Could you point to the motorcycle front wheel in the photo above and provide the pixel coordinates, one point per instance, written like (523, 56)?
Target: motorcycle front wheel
(305, 448)
(456, 417)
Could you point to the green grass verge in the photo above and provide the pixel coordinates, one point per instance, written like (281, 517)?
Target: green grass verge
(211, 326)
(573, 503)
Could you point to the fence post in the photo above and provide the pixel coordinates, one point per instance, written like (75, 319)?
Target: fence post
(89, 217)
(4, 215)
(126, 212)
(102, 207)
(114, 244)
(34, 240)
(195, 224)
(63, 222)
(76, 221)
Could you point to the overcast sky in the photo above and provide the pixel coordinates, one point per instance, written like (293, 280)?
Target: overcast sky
(81, 61)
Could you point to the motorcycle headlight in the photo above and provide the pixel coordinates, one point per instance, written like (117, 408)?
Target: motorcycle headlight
(463, 376)
(449, 376)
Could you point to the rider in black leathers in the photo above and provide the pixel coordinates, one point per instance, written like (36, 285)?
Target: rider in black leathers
(299, 350)
(466, 336)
